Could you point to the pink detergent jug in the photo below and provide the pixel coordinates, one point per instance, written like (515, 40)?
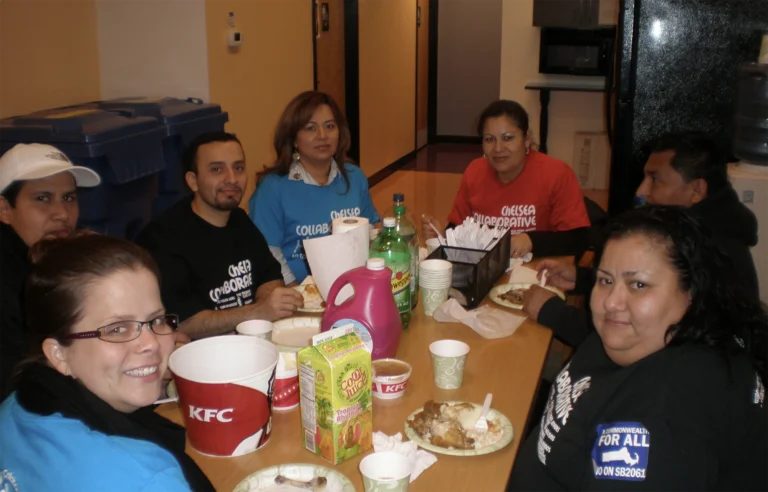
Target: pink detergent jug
(371, 309)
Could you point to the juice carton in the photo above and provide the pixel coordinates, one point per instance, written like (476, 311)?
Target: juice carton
(335, 389)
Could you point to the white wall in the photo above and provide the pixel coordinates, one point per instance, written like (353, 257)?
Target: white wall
(569, 112)
(153, 48)
(468, 62)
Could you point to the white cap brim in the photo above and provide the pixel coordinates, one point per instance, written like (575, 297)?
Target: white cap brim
(84, 177)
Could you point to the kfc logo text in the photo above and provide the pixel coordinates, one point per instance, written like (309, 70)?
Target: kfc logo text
(206, 414)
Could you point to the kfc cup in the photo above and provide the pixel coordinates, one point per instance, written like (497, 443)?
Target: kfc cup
(225, 386)
(286, 395)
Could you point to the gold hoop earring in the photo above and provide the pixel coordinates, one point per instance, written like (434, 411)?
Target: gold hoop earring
(296, 156)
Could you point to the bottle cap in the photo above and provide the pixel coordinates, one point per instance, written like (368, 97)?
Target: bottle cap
(389, 222)
(398, 197)
(375, 264)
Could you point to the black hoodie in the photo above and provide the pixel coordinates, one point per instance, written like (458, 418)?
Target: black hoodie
(734, 230)
(14, 268)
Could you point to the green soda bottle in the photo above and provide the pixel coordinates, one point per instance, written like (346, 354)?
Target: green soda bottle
(396, 255)
(404, 226)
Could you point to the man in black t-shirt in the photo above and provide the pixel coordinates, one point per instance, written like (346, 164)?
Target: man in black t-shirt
(686, 169)
(216, 268)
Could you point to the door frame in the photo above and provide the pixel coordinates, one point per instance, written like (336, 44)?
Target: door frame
(351, 70)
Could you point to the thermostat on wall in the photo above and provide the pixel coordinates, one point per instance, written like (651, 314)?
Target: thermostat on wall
(234, 38)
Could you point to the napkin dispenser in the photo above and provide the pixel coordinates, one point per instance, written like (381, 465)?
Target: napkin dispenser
(475, 271)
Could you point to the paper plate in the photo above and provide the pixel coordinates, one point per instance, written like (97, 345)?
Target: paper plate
(292, 334)
(497, 291)
(264, 480)
(507, 433)
(300, 289)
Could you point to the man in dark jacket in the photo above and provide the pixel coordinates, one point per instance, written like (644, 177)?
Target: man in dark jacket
(686, 169)
(38, 200)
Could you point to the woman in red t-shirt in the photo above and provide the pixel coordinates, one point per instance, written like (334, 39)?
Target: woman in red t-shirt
(514, 186)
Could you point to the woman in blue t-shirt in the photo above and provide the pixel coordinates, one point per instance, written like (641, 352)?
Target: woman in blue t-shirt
(81, 417)
(298, 197)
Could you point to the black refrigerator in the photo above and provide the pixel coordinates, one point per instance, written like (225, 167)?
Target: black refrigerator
(676, 70)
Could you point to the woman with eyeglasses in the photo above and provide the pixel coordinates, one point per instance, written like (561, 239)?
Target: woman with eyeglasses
(81, 416)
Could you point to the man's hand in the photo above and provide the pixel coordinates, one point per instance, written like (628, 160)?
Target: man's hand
(560, 274)
(282, 302)
(534, 298)
(520, 245)
(180, 339)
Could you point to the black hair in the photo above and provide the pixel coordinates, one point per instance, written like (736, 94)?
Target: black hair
(295, 117)
(11, 192)
(697, 155)
(720, 315)
(189, 159)
(511, 109)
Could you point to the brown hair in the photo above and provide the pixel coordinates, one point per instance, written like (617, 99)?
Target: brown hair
(295, 116)
(63, 270)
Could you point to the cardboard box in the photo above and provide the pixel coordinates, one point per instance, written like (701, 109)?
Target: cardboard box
(335, 387)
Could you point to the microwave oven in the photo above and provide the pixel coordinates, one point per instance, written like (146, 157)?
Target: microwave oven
(577, 51)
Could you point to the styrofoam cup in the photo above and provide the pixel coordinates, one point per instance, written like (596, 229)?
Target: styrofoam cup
(432, 244)
(255, 328)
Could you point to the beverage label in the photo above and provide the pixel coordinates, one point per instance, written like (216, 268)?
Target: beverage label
(360, 330)
(414, 246)
(401, 285)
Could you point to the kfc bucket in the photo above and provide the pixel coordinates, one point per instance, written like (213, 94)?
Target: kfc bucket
(225, 386)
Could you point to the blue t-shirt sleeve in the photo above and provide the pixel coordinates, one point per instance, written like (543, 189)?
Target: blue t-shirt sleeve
(359, 184)
(168, 480)
(266, 211)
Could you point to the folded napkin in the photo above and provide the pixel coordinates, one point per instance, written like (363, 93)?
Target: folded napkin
(488, 322)
(421, 459)
(513, 262)
(523, 275)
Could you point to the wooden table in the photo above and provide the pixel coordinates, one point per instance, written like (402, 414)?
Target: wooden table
(509, 368)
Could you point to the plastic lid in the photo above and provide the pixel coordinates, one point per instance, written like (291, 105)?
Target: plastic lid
(375, 264)
(389, 222)
(398, 197)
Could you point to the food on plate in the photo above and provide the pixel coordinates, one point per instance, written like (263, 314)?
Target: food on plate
(317, 483)
(451, 425)
(514, 295)
(312, 297)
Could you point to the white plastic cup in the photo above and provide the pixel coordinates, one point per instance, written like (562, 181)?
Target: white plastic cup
(225, 384)
(255, 328)
(386, 470)
(448, 360)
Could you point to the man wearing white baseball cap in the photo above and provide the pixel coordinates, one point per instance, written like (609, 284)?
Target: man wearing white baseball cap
(38, 199)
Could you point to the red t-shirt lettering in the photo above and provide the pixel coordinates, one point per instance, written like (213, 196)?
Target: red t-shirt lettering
(544, 197)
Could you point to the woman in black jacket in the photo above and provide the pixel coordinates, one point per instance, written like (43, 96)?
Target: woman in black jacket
(667, 393)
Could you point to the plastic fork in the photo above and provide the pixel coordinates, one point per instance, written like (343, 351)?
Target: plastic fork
(482, 423)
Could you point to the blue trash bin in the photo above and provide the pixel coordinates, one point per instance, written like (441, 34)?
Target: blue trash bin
(126, 152)
(183, 120)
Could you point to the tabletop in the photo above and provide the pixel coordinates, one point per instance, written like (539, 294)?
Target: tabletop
(510, 368)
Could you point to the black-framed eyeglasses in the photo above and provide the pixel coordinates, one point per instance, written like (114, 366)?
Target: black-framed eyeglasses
(125, 331)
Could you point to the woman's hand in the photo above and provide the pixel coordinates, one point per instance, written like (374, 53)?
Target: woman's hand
(560, 273)
(427, 222)
(520, 245)
(534, 299)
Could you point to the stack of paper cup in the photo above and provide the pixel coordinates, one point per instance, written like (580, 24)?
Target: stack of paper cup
(434, 282)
